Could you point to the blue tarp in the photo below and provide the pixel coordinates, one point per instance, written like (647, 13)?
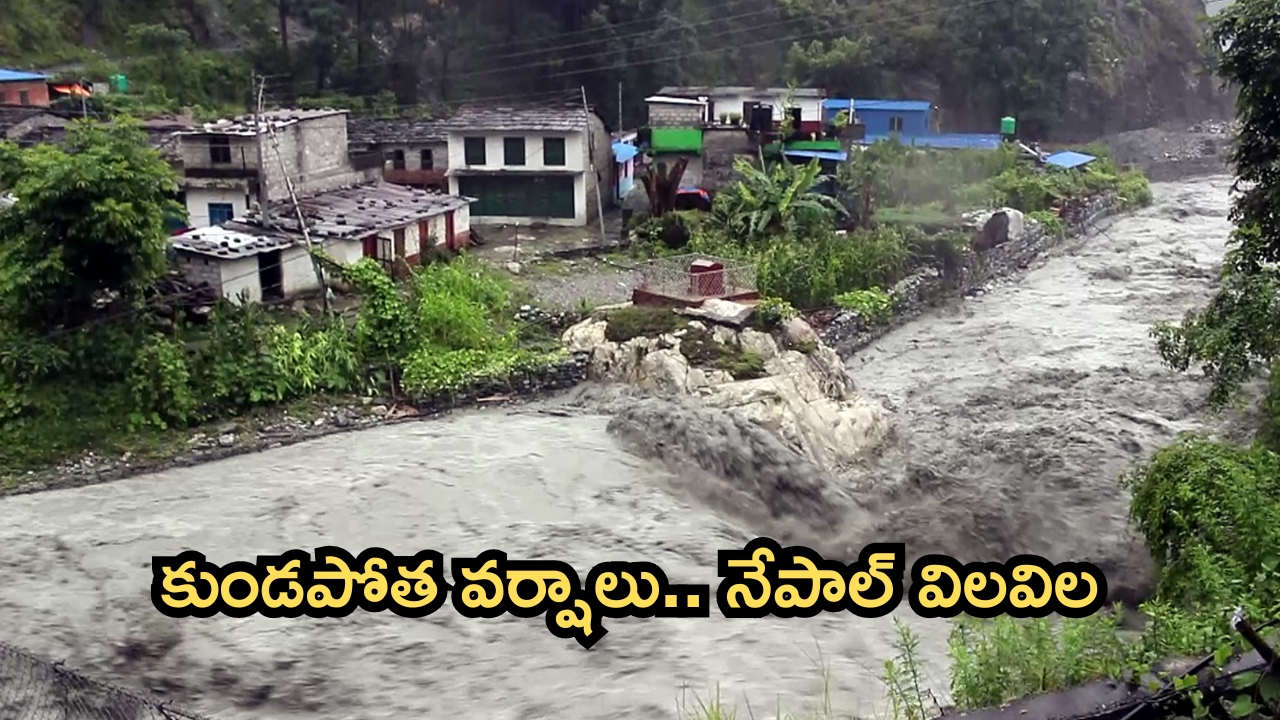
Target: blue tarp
(623, 152)
(1069, 159)
(20, 76)
(943, 141)
(819, 154)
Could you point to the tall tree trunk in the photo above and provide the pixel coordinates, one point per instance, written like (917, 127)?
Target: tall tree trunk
(282, 13)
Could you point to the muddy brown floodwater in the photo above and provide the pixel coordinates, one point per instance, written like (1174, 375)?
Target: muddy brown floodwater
(1020, 408)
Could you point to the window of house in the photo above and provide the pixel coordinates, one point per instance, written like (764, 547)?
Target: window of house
(397, 160)
(220, 150)
(473, 150)
(895, 124)
(220, 213)
(24, 98)
(553, 151)
(513, 151)
(385, 249)
(426, 159)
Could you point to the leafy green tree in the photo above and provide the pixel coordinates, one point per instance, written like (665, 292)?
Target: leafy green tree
(1239, 331)
(89, 221)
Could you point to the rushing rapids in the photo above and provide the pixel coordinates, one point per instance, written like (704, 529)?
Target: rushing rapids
(1017, 412)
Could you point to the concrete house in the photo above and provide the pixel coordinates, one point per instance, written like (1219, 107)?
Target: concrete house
(18, 87)
(734, 99)
(530, 164)
(415, 152)
(255, 261)
(220, 174)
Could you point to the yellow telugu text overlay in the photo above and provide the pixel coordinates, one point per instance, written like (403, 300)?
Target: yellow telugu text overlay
(293, 584)
(766, 579)
(490, 585)
(1025, 586)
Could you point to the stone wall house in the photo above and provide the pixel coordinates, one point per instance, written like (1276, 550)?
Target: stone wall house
(415, 151)
(221, 177)
(527, 164)
(248, 259)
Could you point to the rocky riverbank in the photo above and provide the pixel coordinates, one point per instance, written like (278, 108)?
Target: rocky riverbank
(848, 332)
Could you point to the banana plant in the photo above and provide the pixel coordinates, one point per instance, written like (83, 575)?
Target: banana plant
(778, 200)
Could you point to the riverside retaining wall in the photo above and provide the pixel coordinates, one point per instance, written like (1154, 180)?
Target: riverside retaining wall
(848, 333)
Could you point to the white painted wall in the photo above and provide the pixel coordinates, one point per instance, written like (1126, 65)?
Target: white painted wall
(240, 275)
(198, 199)
(299, 274)
(575, 151)
(810, 108)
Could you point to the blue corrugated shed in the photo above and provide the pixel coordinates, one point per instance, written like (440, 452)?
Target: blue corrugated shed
(908, 117)
(1069, 159)
(819, 154)
(623, 152)
(20, 76)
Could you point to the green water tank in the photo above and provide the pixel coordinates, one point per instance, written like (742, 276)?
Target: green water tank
(119, 83)
(1008, 126)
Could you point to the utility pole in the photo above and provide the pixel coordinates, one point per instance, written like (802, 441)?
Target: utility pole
(263, 197)
(302, 223)
(591, 158)
(619, 107)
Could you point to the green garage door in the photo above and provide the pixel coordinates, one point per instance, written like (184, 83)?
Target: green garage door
(535, 196)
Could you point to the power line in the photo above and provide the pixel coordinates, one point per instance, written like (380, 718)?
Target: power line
(761, 29)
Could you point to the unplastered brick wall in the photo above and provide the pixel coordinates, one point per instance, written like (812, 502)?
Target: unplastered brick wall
(314, 154)
(675, 115)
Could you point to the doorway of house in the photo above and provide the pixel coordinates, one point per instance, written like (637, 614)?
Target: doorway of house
(271, 275)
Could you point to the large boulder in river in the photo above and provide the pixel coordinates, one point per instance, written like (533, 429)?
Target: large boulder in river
(785, 380)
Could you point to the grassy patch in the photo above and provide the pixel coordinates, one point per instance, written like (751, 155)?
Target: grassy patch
(701, 349)
(926, 217)
(636, 321)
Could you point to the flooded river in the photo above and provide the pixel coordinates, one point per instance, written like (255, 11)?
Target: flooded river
(1019, 410)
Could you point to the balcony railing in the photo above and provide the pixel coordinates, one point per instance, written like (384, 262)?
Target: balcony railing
(416, 178)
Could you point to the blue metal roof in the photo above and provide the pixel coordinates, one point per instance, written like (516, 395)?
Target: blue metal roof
(20, 76)
(819, 154)
(943, 141)
(623, 152)
(884, 105)
(1069, 159)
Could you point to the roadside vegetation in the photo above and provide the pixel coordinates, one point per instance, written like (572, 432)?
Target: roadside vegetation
(1208, 509)
(92, 356)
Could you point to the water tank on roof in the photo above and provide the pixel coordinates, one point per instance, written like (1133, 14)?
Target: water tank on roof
(118, 83)
(1008, 126)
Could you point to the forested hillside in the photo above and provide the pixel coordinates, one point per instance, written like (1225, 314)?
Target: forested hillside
(1084, 66)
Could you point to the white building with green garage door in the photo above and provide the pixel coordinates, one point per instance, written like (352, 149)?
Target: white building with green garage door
(529, 164)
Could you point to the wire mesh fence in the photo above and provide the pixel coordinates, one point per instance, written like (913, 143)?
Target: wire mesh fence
(32, 688)
(694, 277)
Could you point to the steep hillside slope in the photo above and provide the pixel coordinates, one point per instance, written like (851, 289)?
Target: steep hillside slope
(1065, 68)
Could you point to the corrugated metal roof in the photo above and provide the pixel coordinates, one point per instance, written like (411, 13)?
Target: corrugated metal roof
(623, 152)
(879, 105)
(356, 212)
(227, 243)
(818, 154)
(247, 126)
(7, 75)
(1069, 159)
(555, 118)
(400, 131)
(943, 141)
(711, 91)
